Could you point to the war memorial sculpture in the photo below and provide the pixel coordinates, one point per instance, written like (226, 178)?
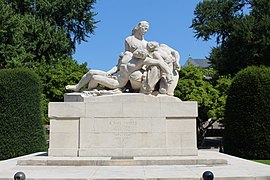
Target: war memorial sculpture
(143, 63)
(111, 122)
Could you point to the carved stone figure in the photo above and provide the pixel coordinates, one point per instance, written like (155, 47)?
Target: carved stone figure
(143, 64)
(171, 57)
(118, 76)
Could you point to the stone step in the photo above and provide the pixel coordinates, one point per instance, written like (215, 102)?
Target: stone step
(108, 161)
(235, 169)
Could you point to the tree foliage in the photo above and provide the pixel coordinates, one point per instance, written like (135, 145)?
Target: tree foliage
(37, 31)
(26, 41)
(76, 18)
(216, 18)
(210, 91)
(242, 38)
(205, 87)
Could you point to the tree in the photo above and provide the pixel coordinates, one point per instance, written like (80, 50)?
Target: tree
(242, 39)
(201, 85)
(34, 31)
(207, 88)
(222, 85)
(76, 18)
(216, 18)
(26, 41)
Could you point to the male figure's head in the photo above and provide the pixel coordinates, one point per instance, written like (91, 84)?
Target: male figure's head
(152, 45)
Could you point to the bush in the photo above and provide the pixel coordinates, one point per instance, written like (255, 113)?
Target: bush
(21, 130)
(247, 114)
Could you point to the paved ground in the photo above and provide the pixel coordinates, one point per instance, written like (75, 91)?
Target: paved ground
(236, 168)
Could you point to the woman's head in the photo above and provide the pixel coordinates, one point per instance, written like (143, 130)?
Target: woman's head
(142, 27)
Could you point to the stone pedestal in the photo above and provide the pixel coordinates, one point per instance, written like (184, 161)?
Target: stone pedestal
(122, 125)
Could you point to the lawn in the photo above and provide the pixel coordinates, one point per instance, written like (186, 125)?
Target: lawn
(263, 161)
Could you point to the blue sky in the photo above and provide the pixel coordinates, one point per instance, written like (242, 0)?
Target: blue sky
(169, 23)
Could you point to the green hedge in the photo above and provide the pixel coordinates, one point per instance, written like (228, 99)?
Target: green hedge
(247, 114)
(21, 130)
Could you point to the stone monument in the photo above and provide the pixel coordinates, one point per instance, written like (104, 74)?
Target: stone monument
(112, 122)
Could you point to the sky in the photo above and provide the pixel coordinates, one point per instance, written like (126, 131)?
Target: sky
(169, 20)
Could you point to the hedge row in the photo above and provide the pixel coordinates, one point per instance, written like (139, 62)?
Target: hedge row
(21, 130)
(247, 115)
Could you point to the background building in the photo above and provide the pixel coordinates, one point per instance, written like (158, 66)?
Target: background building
(203, 63)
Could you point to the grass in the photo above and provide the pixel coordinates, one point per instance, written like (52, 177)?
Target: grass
(263, 161)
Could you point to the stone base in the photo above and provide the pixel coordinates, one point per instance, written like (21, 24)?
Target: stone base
(108, 161)
(41, 167)
(122, 125)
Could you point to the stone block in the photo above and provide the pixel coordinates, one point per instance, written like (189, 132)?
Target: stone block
(73, 97)
(63, 152)
(101, 152)
(179, 109)
(133, 109)
(189, 151)
(131, 152)
(66, 109)
(64, 126)
(100, 140)
(152, 109)
(64, 135)
(104, 109)
(180, 124)
(189, 140)
(64, 140)
(158, 124)
(144, 140)
(99, 99)
(87, 124)
(173, 140)
(124, 125)
(132, 97)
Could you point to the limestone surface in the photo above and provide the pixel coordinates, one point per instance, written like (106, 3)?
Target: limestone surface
(122, 125)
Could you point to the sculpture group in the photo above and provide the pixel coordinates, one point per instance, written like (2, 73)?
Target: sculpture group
(148, 66)
(127, 125)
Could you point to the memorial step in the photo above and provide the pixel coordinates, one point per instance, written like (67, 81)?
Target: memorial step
(235, 169)
(108, 161)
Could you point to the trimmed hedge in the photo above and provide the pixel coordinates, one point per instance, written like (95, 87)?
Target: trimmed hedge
(21, 130)
(247, 114)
